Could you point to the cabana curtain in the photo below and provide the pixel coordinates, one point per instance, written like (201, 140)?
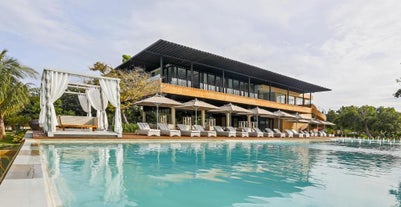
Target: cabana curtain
(111, 92)
(55, 83)
(100, 104)
(85, 105)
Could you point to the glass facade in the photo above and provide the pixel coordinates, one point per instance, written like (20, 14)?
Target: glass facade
(223, 82)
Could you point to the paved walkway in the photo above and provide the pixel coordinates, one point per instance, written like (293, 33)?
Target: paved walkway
(24, 184)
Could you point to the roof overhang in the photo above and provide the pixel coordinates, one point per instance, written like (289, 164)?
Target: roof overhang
(183, 55)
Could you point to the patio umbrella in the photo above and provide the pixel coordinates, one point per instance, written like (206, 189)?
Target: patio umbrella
(158, 101)
(327, 123)
(298, 119)
(315, 121)
(281, 114)
(261, 112)
(231, 108)
(196, 105)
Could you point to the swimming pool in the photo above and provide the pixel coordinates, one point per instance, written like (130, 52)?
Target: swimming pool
(225, 174)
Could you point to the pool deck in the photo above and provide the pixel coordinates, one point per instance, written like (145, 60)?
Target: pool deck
(25, 183)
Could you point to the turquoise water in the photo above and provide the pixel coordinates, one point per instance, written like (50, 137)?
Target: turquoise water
(226, 174)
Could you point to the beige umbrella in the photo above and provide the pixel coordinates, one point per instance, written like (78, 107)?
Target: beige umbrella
(158, 101)
(231, 108)
(196, 105)
(327, 123)
(281, 114)
(261, 112)
(298, 119)
(316, 121)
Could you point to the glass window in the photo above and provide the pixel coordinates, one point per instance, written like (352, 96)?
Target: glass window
(280, 98)
(205, 85)
(218, 83)
(196, 79)
(181, 76)
(211, 82)
(299, 101)
(189, 78)
(291, 100)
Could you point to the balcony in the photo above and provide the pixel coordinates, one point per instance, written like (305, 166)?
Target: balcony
(219, 96)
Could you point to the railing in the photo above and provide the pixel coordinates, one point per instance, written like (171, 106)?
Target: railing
(318, 114)
(200, 93)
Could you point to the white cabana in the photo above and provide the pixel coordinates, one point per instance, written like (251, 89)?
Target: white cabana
(55, 83)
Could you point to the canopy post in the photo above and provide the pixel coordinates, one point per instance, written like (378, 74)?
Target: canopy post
(249, 120)
(203, 114)
(172, 113)
(50, 132)
(228, 119)
(143, 116)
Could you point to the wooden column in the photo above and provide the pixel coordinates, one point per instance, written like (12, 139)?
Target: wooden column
(203, 117)
(172, 116)
(228, 120)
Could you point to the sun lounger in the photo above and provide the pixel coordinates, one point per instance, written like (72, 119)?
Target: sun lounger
(269, 133)
(79, 122)
(205, 133)
(304, 134)
(322, 133)
(186, 131)
(221, 132)
(238, 133)
(255, 132)
(296, 134)
(288, 133)
(164, 130)
(276, 132)
(144, 129)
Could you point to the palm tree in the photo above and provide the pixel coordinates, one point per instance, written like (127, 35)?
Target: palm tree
(14, 94)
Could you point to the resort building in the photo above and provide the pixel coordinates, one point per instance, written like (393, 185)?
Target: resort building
(187, 73)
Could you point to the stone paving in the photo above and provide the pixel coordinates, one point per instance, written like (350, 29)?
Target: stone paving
(24, 184)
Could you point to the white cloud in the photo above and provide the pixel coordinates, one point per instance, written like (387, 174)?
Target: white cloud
(348, 46)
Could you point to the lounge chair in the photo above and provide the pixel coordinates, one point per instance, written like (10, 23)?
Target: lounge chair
(305, 134)
(322, 133)
(164, 130)
(188, 132)
(276, 132)
(238, 133)
(144, 129)
(221, 132)
(311, 133)
(267, 133)
(255, 132)
(288, 133)
(296, 134)
(205, 133)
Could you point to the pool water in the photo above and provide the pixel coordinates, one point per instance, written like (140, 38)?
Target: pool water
(226, 174)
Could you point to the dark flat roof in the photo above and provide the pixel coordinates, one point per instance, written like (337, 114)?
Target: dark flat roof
(183, 55)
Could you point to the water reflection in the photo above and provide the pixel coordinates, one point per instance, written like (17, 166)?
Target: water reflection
(228, 174)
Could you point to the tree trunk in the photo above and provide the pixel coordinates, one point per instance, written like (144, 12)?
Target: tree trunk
(367, 130)
(2, 128)
(125, 121)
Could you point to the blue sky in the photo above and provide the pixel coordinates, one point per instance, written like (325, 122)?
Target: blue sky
(350, 46)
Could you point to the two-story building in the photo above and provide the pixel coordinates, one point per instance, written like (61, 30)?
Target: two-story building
(187, 73)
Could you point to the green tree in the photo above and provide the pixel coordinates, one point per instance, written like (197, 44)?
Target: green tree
(347, 118)
(133, 85)
(14, 94)
(366, 116)
(388, 122)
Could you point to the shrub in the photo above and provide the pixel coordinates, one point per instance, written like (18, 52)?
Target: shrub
(130, 128)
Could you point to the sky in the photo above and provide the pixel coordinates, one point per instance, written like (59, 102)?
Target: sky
(350, 46)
